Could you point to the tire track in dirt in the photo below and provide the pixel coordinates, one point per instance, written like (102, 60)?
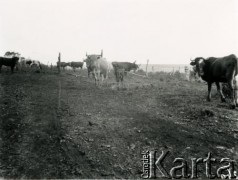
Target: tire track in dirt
(11, 127)
(33, 142)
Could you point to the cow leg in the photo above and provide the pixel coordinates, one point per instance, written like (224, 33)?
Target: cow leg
(102, 76)
(209, 92)
(220, 92)
(12, 68)
(0, 68)
(231, 86)
(236, 90)
(95, 78)
(236, 97)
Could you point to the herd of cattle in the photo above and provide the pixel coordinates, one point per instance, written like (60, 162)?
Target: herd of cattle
(211, 70)
(96, 65)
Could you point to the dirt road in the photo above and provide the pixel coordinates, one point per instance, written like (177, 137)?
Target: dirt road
(60, 126)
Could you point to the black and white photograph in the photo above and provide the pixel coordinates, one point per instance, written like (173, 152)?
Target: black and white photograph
(118, 89)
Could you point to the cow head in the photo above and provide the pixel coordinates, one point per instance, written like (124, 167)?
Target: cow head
(28, 62)
(198, 64)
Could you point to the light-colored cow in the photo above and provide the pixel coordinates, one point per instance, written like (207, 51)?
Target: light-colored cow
(98, 66)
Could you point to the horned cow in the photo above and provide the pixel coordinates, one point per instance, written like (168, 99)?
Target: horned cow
(98, 66)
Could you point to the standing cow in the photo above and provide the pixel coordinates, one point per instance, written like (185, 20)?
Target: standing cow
(127, 66)
(34, 63)
(75, 65)
(98, 66)
(218, 70)
(12, 62)
(121, 68)
(63, 64)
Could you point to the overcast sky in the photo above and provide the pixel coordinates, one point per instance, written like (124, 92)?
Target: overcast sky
(163, 31)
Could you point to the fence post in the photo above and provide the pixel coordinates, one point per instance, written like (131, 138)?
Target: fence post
(147, 67)
(59, 62)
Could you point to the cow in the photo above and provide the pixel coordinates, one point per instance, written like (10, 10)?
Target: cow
(127, 66)
(12, 62)
(98, 66)
(119, 74)
(63, 64)
(34, 63)
(217, 70)
(75, 65)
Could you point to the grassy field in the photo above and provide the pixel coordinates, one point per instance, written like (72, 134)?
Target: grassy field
(62, 126)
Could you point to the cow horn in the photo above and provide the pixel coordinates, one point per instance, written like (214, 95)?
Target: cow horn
(101, 53)
(134, 62)
(86, 54)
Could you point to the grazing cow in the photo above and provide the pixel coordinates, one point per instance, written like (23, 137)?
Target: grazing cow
(127, 66)
(33, 63)
(75, 65)
(63, 64)
(217, 70)
(98, 66)
(8, 62)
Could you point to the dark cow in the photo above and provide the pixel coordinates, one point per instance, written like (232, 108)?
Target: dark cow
(98, 66)
(121, 68)
(63, 64)
(217, 70)
(34, 63)
(127, 66)
(75, 65)
(119, 74)
(8, 62)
